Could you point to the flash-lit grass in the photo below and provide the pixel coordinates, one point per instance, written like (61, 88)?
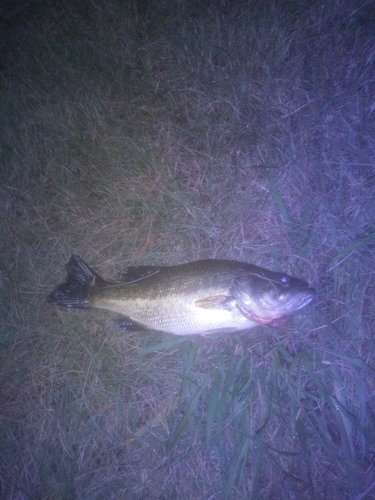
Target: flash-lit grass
(165, 132)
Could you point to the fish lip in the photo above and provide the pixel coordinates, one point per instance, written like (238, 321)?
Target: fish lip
(299, 298)
(311, 292)
(309, 296)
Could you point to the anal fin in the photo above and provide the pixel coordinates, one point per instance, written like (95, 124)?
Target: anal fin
(129, 325)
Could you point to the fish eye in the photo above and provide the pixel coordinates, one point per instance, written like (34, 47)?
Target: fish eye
(284, 279)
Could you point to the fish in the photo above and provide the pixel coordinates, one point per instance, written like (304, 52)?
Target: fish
(196, 298)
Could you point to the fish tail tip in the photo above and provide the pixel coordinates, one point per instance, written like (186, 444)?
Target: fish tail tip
(75, 292)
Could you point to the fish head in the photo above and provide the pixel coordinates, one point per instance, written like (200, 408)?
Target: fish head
(267, 297)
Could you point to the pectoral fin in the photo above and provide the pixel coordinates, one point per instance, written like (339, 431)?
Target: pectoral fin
(215, 302)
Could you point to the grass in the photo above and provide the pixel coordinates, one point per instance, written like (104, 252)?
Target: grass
(164, 132)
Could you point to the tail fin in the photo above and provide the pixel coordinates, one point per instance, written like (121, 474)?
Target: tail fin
(80, 281)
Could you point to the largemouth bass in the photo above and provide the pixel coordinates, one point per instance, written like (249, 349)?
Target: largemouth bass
(202, 297)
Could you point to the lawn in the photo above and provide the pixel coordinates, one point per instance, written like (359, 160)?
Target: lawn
(162, 132)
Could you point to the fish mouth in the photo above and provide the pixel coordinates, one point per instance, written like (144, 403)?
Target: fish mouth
(289, 301)
(300, 299)
(310, 295)
(276, 309)
(295, 303)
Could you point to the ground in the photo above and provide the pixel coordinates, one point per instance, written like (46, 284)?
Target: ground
(160, 133)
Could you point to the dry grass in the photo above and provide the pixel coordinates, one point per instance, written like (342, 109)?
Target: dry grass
(163, 132)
